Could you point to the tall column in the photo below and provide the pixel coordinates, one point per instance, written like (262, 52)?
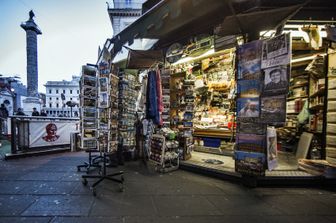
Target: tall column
(32, 30)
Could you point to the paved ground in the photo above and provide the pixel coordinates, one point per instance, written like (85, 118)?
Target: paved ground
(48, 189)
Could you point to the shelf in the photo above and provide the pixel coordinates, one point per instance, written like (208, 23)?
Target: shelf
(298, 97)
(320, 92)
(317, 107)
(298, 85)
(293, 113)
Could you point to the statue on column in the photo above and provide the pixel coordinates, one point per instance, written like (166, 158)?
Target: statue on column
(31, 15)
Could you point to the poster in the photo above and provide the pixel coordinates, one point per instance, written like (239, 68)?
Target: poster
(272, 153)
(248, 108)
(273, 109)
(103, 84)
(251, 128)
(248, 88)
(47, 133)
(249, 57)
(276, 80)
(276, 51)
(103, 100)
(250, 163)
(251, 142)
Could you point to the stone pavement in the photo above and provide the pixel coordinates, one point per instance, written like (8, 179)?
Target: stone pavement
(49, 189)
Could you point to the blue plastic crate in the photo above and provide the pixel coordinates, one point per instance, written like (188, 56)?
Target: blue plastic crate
(212, 142)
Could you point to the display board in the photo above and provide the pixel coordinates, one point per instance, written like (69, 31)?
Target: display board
(262, 83)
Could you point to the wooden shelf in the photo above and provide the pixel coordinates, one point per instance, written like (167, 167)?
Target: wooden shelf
(298, 97)
(320, 92)
(298, 85)
(317, 107)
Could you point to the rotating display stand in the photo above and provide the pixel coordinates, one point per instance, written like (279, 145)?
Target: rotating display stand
(105, 129)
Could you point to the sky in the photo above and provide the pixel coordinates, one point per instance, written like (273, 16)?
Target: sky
(72, 31)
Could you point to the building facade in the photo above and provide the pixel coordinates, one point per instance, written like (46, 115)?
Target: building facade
(59, 94)
(124, 12)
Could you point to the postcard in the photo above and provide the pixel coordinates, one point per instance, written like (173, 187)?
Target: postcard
(273, 109)
(248, 88)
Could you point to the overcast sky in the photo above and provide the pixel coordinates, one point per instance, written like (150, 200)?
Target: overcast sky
(72, 30)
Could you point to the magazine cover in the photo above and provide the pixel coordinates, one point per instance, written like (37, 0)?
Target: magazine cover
(251, 128)
(248, 108)
(276, 51)
(276, 80)
(273, 109)
(272, 153)
(103, 100)
(248, 88)
(249, 57)
(250, 142)
(250, 163)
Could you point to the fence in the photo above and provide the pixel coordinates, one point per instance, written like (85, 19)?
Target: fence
(29, 133)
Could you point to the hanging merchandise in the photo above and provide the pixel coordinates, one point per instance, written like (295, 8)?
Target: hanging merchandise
(152, 111)
(126, 104)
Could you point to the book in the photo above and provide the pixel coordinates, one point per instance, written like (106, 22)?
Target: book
(250, 142)
(248, 88)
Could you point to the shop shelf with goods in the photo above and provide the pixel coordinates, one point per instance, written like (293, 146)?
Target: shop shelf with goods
(164, 152)
(113, 114)
(127, 113)
(331, 108)
(88, 112)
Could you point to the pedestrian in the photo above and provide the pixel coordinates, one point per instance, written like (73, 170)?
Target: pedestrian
(35, 112)
(20, 112)
(43, 113)
(3, 119)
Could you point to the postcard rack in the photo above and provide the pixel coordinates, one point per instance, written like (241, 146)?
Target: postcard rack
(163, 153)
(126, 104)
(106, 128)
(88, 98)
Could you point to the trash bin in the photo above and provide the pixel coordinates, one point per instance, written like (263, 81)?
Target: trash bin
(73, 141)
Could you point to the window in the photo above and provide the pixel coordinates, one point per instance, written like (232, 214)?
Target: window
(63, 91)
(50, 98)
(70, 91)
(56, 91)
(50, 105)
(57, 105)
(49, 91)
(77, 91)
(56, 98)
(70, 99)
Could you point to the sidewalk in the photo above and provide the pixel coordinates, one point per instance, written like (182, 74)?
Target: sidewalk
(49, 189)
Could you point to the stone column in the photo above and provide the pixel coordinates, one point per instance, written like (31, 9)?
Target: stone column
(32, 30)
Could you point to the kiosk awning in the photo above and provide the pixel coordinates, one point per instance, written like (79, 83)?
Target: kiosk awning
(256, 21)
(138, 59)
